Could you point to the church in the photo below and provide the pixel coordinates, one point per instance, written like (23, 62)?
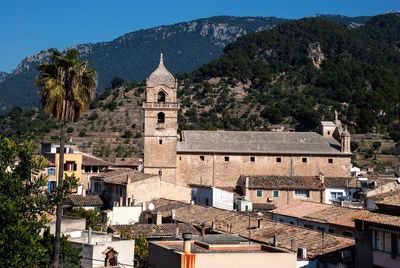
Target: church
(219, 158)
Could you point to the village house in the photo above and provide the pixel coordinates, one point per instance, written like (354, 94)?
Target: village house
(312, 246)
(195, 252)
(378, 234)
(102, 250)
(219, 158)
(327, 218)
(213, 196)
(281, 190)
(127, 187)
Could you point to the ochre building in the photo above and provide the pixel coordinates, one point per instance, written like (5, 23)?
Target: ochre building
(219, 158)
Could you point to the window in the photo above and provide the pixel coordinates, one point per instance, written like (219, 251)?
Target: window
(259, 193)
(330, 160)
(159, 141)
(302, 193)
(88, 169)
(329, 133)
(382, 241)
(292, 223)
(226, 158)
(51, 171)
(331, 230)
(348, 233)
(180, 158)
(304, 160)
(275, 193)
(336, 195)
(95, 169)
(202, 157)
(70, 166)
(161, 96)
(252, 159)
(51, 186)
(278, 160)
(280, 220)
(161, 118)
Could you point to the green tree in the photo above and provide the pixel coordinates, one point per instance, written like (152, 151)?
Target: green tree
(117, 82)
(141, 251)
(24, 206)
(93, 218)
(376, 145)
(67, 88)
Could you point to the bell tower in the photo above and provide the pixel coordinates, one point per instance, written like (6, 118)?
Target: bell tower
(161, 124)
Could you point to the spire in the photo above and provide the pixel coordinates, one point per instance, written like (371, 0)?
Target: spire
(161, 75)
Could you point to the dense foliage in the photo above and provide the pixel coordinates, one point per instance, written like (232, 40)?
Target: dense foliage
(359, 77)
(93, 218)
(24, 208)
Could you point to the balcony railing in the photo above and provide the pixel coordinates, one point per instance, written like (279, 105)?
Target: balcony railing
(160, 105)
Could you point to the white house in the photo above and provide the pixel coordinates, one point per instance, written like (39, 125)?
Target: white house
(213, 197)
(102, 250)
(340, 189)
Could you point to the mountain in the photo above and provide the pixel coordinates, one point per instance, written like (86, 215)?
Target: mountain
(133, 56)
(3, 76)
(298, 73)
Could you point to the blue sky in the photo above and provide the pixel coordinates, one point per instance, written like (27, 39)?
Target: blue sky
(28, 26)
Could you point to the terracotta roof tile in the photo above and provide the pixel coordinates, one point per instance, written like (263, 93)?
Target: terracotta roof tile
(284, 182)
(88, 200)
(335, 215)
(300, 209)
(341, 182)
(122, 176)
(90, 160)
(127, 161)
(153, 230)
(258, 142)
(391, 200)
(288, 236)
(379, 218)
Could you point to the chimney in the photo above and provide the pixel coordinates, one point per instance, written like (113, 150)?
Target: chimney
(120, 201)
(203, 230)
(275, 241)
(143, 206)
(322, 178)
(89, 237)
(187, 237)
(177, 232)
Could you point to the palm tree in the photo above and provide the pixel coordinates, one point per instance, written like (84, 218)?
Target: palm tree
(67, 87)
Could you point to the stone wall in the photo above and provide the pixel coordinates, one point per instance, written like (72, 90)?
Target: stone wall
(284, 197)
(213, 169)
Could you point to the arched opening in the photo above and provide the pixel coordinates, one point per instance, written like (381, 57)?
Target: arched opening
(161, 96)
(161, 118)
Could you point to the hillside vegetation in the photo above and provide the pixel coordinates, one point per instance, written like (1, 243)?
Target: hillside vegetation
(186, 46)
(297, 73)
(300, 72)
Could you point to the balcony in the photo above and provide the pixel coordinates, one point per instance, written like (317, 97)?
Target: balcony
(164, 105)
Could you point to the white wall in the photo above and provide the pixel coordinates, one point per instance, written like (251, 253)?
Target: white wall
(125, 215)
(345, 193)
(93, 257)
(222, 199)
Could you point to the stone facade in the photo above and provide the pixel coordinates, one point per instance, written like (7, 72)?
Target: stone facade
(223, 157)
(216, 171)
(161, 124)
